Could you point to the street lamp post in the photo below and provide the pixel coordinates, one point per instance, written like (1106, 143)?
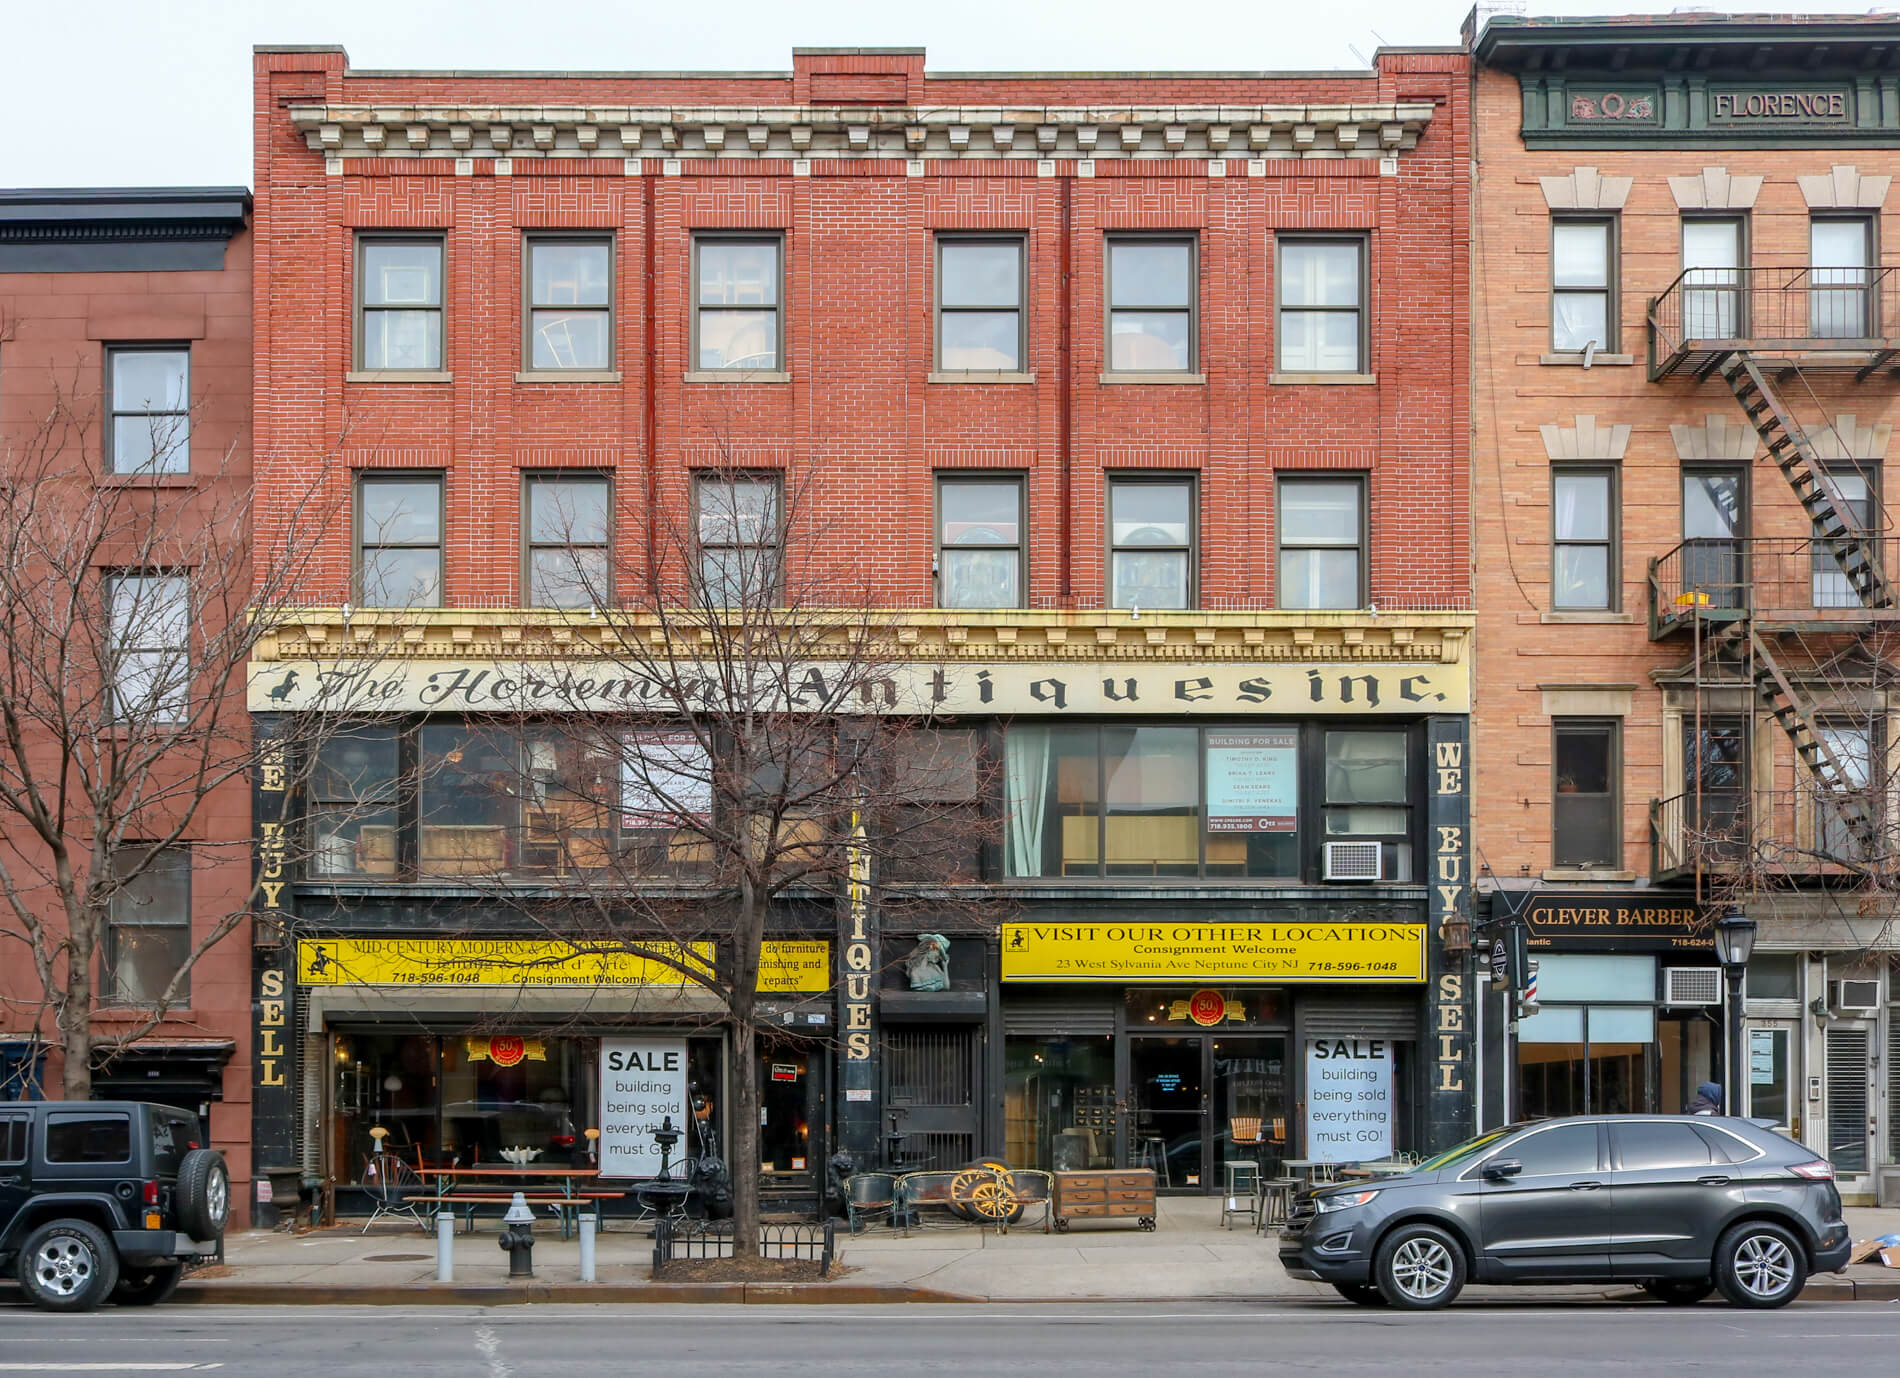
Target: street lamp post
(1734, 942)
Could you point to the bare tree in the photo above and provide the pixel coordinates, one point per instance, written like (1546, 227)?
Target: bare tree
(126, 631)
(750, 737)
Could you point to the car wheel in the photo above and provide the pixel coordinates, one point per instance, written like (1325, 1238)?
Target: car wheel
(1360, 1293)
(149, 1287)
(1759, 1265)
(1679, 1291)
(68, 1265)
(203, 1194)
(1419, 1267)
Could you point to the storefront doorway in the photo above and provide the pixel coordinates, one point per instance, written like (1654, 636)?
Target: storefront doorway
(1187, 1096)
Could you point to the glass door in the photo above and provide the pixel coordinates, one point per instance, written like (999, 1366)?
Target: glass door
(1249, 1104)
(1771, 1077)
(1714, 523)
(1167, 1111)
(1711, 280)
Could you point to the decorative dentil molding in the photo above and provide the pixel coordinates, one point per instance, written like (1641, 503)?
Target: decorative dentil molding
(1714, 189)
(797, 133)
(936, 635)
(1585, 189)
(1586, 440)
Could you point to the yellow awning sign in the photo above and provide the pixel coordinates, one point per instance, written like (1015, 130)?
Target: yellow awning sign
(784, 966)
(1264, 952)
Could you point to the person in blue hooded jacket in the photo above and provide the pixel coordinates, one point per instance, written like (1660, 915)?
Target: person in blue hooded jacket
(1708, 1099)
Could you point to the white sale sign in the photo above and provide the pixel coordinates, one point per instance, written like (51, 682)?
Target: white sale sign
(642, 1084)
(1348, 1099)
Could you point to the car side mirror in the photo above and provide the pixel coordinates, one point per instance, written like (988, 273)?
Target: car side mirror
(1499, 1168)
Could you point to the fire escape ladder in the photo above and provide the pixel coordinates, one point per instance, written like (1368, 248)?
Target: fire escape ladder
(1835, 787)
(1794, 455)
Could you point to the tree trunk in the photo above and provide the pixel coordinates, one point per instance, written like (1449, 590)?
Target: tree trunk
(745, 1136)
(75, 1030)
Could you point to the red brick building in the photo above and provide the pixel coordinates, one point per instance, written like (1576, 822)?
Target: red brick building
(125, 343)
(1143, 374)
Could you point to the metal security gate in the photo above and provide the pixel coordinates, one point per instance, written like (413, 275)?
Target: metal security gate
(930, 1095)
(1849, 1124)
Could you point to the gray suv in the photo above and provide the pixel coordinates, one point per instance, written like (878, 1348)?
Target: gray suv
(1678, 1205)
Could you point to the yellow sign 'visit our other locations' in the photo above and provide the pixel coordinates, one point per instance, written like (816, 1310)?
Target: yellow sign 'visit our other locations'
(794, 967)
(1305, 952)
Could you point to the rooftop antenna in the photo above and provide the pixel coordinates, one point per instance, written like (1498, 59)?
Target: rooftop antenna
(1356, 53)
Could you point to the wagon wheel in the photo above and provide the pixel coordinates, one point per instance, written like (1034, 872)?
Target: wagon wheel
(982, 1194)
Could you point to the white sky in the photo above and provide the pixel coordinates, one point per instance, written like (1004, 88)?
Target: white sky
(158, 92)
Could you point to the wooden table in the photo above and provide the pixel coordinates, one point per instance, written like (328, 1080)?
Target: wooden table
(460, 1186)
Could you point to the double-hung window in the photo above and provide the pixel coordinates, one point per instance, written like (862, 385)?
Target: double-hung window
(1583, 285)
(1583, 568)
(1585, 829)
(399, 540)
(1322, 288)
(149, 647)
(979, 304)
(149, 410)
(1369, 794)
(1151, 543)
(570, 302)
(1322, 532)
(1841, 302)
(399, 303)
(737, 522)
(1151, 304)
(148, 929)
(566, 539)
(737, 289)
(980, 542)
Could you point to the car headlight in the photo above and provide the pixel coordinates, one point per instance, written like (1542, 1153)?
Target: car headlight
(1344, 1200)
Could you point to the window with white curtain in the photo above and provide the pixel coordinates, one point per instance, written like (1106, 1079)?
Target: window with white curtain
(1583, 529)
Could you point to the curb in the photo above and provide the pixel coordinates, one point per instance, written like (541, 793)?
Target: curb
(550, 1293)
(761, 1294)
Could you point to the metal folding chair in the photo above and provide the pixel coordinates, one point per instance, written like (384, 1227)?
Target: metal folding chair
(390, 1182)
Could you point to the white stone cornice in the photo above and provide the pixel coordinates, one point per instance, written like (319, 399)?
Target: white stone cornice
(1179, 132)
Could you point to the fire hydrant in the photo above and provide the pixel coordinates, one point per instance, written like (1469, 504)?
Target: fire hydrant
(517, 1240)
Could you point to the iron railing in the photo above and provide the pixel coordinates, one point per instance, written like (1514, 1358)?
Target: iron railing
(1715, 311)
(1765, 834)
(1778, 579)
(681, 1241)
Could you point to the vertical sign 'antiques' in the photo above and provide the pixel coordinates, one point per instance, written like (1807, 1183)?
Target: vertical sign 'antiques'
(857, 946)
(1449, 1001)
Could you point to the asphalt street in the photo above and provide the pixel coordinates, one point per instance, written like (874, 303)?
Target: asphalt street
(789, 1342)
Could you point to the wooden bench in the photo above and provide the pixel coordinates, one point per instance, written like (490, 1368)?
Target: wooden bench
(561, 1204)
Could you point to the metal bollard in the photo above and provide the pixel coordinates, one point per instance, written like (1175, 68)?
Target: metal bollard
(588, 1220)
(444, 1247)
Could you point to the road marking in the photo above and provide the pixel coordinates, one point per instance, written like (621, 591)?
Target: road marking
(106, 1368)
(489, 1343)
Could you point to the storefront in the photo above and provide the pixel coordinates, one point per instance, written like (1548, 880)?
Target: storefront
(1145, 1043)
(464, 1052)
(1630, 1004)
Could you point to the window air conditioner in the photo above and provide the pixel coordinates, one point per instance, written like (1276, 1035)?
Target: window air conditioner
(1352, 861)
(1854, 997)
(1692, 985)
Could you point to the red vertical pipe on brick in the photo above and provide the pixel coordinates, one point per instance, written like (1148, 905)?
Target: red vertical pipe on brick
(651, 420)
(1065, 385)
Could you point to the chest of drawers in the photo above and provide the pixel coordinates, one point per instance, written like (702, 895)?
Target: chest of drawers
(1105, 1195)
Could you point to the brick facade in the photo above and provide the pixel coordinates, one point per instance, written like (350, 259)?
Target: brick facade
(80, 273)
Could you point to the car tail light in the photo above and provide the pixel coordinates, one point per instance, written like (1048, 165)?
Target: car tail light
(1820, 1170)
(151, 1193)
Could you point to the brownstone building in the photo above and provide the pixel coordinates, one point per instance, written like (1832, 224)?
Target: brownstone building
(1684, 329)
(125, 350)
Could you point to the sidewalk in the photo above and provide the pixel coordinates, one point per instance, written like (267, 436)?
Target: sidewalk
(1188, 1257)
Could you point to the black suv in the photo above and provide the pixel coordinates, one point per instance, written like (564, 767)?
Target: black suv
(1678, 1205)
(105, 1199)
